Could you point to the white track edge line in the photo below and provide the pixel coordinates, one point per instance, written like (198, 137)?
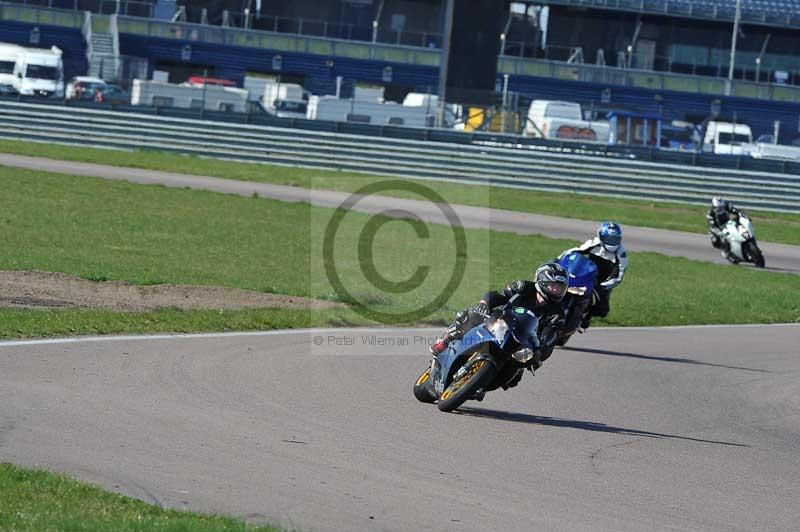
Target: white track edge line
(290, 332)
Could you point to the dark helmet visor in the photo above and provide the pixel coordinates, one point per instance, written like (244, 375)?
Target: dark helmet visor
(611, 240)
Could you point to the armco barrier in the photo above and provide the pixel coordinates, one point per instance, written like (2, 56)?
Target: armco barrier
(481, 161)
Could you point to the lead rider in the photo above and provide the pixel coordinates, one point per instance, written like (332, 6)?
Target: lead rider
(542, 296)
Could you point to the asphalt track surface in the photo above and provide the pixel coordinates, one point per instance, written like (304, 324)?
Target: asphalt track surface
(779, 257)
(686, 428)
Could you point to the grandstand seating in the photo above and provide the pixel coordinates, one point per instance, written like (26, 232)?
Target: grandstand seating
(70, 41)
(781, 12)
(760, 115)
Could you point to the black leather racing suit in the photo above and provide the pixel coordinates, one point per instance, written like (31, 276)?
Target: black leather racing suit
(551, 318)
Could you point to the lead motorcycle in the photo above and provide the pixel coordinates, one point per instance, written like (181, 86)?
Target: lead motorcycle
(582, 274)
(489, 356)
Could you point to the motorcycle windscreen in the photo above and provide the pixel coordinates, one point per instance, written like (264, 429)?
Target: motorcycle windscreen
(523, 325)
(581, 270)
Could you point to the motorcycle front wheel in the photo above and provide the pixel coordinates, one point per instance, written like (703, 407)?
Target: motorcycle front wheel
(756, 255)
(422, 389)
(478, 375)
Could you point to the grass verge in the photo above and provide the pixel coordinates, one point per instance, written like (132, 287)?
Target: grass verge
(771, 226)
(101, 229)
(29, 323)
(36, 500)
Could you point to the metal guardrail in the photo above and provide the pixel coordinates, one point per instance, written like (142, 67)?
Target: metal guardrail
(499, 165)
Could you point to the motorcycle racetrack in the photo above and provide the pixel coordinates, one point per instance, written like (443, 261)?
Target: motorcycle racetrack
(684, 428)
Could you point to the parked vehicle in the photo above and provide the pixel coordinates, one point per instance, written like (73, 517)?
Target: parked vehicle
(39, 72)
(563, 120)
(766, 148)
(486, 358)
(189, 96)
(114, 94)
(582, 273)
(741, 237)
(368, 112)
(286, 100)
(727, 138)
(83, 87)
(9, 54)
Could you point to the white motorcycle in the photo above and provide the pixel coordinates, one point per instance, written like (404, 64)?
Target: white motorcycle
(742, 240)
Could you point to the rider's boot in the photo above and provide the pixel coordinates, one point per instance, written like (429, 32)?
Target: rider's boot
(439, 347)
(441, 344)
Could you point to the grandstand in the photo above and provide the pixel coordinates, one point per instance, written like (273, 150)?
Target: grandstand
(669, 57)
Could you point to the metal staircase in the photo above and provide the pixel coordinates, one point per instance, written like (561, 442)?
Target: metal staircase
(102, 46)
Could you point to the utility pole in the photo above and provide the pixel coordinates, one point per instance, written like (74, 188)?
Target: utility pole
(447, 35)
(736, 18)
(760, 58)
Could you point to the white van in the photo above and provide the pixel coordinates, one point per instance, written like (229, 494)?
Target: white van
(39, 72)
(553, 119)
(726, 138)
(8, 60)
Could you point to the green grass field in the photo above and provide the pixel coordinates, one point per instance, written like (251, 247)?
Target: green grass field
(771, 226)
(36, 501)
(102, 230)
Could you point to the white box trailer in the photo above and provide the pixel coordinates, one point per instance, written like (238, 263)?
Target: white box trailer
(215, 97)
(368, 112)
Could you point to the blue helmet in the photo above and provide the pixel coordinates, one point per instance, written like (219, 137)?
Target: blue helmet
(610, 234)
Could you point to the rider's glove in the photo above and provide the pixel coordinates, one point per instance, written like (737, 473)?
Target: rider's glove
(482, 308)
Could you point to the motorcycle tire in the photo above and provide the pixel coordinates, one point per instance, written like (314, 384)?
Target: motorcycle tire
(757, 256)
(478, 376)
(422, 389)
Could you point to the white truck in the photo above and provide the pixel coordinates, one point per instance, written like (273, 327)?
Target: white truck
(39, 72)
(554, 119)
(285, 100)
(727, 138)
(189, 96)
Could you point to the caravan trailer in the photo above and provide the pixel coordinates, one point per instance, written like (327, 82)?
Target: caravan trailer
(189, 96)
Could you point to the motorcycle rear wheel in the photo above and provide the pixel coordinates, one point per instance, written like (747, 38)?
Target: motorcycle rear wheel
(422, 389)
(477, 377)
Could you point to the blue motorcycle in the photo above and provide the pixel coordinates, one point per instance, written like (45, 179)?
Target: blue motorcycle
(489, 356)
(582, 273)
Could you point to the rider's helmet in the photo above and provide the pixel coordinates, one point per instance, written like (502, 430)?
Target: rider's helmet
(610, 235)
(551, 281)
(719, 205)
